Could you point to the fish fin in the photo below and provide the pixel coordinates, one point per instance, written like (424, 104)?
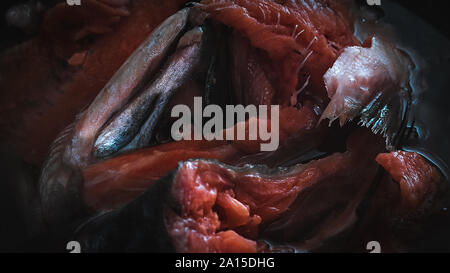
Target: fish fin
(387, 115)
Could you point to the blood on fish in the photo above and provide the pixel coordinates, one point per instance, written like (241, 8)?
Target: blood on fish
(114, 182)
(416, 177)
(207, 206)
(324, 26)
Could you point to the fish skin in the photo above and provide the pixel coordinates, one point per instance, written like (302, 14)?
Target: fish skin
(126, 81)
(135, 125)
(60, 180)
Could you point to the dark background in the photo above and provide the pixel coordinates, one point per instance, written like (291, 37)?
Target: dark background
(434, 12)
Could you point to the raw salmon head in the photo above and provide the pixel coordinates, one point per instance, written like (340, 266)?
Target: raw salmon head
(117, 164)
